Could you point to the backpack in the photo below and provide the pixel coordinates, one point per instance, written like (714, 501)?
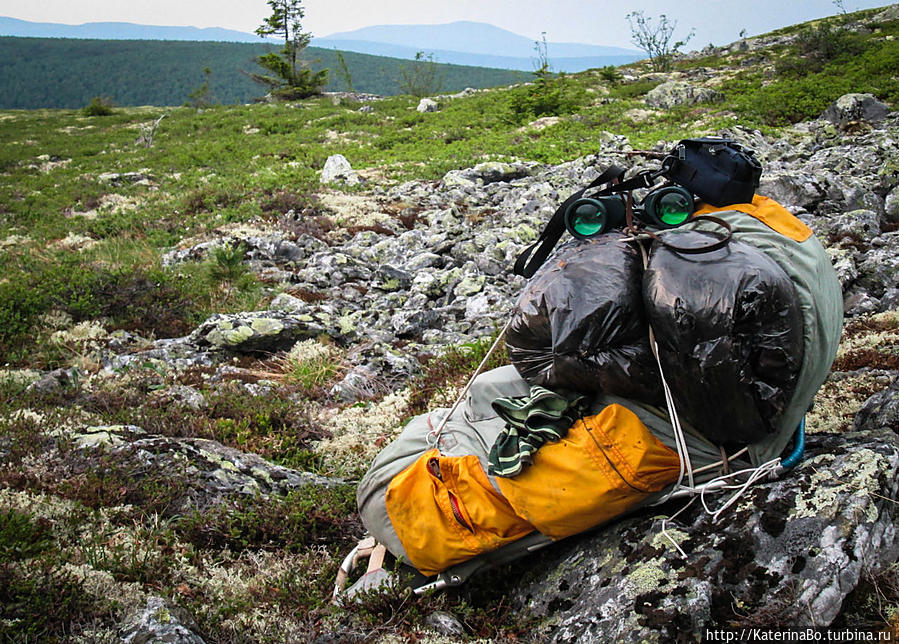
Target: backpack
(428, 498)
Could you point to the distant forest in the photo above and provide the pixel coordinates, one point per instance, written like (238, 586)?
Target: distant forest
(67, 73)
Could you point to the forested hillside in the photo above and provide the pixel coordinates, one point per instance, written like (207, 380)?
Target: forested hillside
(67, 73)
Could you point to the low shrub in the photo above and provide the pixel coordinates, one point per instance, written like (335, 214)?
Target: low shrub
(610, 74)
(793, 100)
(99, 106)
(22, 536)
(123, 479)
(309, 515)
(452, 368)
(153, 302)
(633, 90)
(546, 96)
(40, 602)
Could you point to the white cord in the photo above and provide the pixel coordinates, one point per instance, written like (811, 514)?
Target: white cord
(680, 441)
(435, 433)
(672, 518)
(755, 474)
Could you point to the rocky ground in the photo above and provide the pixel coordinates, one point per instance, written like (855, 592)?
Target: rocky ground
(368, 290)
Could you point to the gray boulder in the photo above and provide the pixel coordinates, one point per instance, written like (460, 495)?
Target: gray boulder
(204, 472)
(880, 411)
(675, 93)
(167, 354)
(891, 206)
(55, 380)
(122, 178)
(157, 624)
(486, 173)
(267, 331)
(858, 225)
(857, 302)
(787, 553)
(338, 170)
(427, 105)
(855, 107)
(879, 270)
(792, 189)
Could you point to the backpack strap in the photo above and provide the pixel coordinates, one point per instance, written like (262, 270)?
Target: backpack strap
(552, 233)
(721, 242)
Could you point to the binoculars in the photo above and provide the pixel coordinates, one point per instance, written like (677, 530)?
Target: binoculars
(666, 207)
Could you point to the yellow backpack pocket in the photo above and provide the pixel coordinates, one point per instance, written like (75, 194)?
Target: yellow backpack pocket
(605, 466)
(445, 511)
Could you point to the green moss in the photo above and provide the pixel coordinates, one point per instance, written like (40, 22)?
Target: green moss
(303, 517)
(22, 536)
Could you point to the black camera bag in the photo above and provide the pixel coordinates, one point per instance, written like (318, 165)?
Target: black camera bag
(719, 171)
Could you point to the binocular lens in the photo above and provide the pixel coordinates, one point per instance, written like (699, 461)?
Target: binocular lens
(674, 208)
(587, 219)
(667, 207)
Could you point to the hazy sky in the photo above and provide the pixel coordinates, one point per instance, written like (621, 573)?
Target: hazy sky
(600, 22)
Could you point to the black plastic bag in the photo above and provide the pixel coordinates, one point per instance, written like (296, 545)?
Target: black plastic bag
(729, 328)
(579, 323)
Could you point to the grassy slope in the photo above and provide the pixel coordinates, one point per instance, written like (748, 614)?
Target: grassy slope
(232, 164)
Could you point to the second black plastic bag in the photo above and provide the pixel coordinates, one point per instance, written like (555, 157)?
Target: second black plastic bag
(729, 329)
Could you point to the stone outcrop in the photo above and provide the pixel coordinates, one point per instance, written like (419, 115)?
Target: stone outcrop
(203, 472)
(427, 105)
(855, 107)
(338, 170)
(674, 93)
(158, 623)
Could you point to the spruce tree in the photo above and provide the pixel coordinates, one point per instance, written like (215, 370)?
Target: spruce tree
(291, 78)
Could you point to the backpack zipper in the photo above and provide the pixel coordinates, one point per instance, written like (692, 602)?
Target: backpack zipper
(457, 512)
(434, 469)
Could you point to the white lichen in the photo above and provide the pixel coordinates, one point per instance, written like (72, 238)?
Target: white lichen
(359, 432)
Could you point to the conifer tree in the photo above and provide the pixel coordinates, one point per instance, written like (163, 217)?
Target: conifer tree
(291, 76)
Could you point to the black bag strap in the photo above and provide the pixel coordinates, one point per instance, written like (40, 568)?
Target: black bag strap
(555, 228)
(722, 241)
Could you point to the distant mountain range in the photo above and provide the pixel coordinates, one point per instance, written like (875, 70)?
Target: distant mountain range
(474, 43)
(461, 43)
(119, 31)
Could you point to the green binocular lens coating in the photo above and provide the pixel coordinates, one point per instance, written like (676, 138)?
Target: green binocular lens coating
(587, 220)
(589, 217)
(674, 208)
(668, 206)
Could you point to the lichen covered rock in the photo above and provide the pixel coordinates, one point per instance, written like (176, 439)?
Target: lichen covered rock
(158, 624)
(787, 553)
(855, 107)
(202, 472)
(338, 170)
(262, 330)
(675, 93)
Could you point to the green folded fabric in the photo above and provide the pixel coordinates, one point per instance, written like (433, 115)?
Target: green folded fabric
(541, 417)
